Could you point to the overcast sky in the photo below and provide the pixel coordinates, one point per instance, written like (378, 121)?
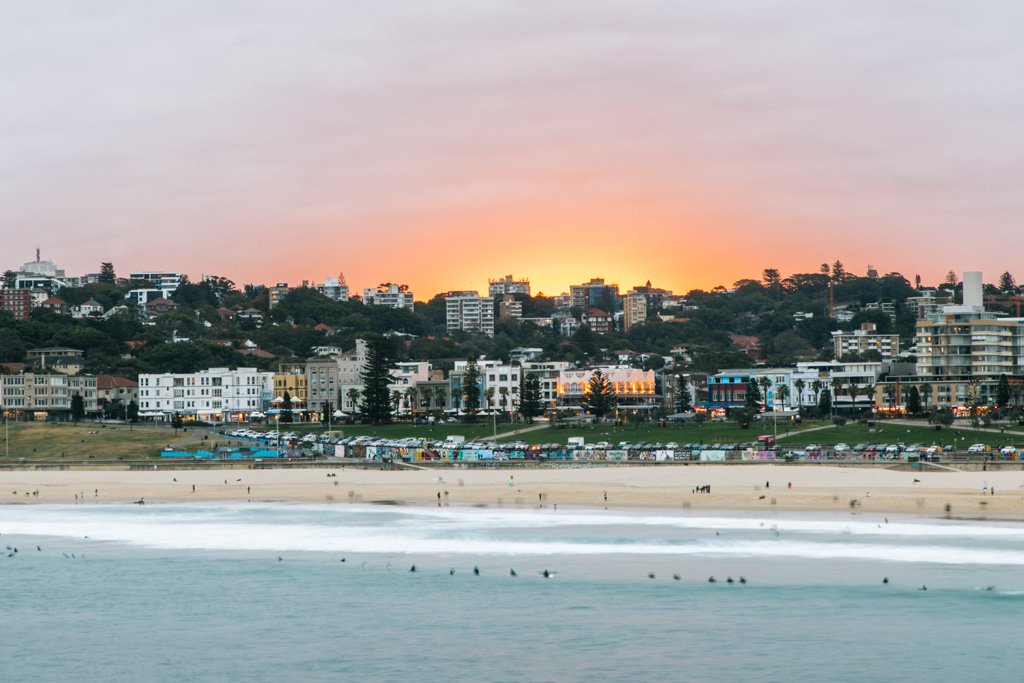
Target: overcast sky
(441, 143)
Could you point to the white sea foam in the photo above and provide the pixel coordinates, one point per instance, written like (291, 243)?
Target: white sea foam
(358, 529)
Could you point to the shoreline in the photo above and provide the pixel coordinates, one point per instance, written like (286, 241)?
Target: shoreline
(823, 488)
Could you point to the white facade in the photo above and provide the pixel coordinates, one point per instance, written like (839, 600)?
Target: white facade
(504, 380)
(217, 394)
(469, 312)
(334, 288)
(166, 282)
(392, 296)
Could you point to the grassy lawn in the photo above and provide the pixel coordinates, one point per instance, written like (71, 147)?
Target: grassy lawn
(437, 432)
(888, 432)
(709, 433)
(87, 441)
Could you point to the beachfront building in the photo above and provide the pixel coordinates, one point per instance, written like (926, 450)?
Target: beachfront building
(110, 388)
(469, 312)
(501, 387)
(863, 340)
(634, 388)
(322, 383)
(547, 374)
(291, 378)
(46, 396)
(213, 395)
(389, 295)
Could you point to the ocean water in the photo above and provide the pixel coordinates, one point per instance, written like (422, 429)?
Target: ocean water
(325, 593)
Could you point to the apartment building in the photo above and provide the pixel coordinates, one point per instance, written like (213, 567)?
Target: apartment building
(46, 396)
(390, 295)
(634, 309)
(166, 282)
(469, 312)
(865, 339)
(214, 395)
(634, 388)
(507, 285)
(16, 302)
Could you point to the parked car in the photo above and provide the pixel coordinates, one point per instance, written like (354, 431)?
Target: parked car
(840, 448)
(977, 448)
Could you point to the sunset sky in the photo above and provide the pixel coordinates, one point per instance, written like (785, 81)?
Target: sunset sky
(442, 143)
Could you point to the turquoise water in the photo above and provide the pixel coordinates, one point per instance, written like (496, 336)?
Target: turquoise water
(198, 593)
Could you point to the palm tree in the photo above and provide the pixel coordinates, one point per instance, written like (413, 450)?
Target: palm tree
(765, 383)
(782, 391)
(353, 399)
(504, 398)
(799, 385)
(489, 393)
(816, 387)
(396, 401)
(410, 399)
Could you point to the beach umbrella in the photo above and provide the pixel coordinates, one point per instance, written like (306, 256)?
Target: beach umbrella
(278, 399)
(338, 413)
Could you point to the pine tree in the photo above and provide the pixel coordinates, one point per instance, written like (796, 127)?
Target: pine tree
(598, 397)
(107, 272)
(77, 407)
(286, 408)
(471, 389)
(683, 404)
(825, 403)
(1003, 392)
(376, 376)
(1007, 283)
(529, 398)
(914, 401)
(133, 411)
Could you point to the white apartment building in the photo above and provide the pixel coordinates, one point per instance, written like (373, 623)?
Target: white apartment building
(334, 288)
(43, 396)
(469, 312)
(166, 282)
(501, 387)
(213, 395)
(547, 373)
(865, 339)
(390, 295)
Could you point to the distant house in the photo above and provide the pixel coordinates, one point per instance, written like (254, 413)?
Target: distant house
(325, 328)
(259, 353)
(748, 344)
(252, 314)
(89, 308)
(59, 358)
(57, 305)
(160, 306)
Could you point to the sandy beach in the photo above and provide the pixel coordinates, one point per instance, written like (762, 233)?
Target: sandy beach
(757, 487)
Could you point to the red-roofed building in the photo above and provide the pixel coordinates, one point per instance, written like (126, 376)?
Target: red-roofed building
(57, 305)
(159, 306)
(114, 387)
(598, 321)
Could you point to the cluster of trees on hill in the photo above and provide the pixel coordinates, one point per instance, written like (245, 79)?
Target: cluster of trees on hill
(762, 308)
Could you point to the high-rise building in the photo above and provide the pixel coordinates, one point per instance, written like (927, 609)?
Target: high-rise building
(634, 309)
(469, 312)
(508, 285)
(596, 294)
(863, 340)
(509, 307)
